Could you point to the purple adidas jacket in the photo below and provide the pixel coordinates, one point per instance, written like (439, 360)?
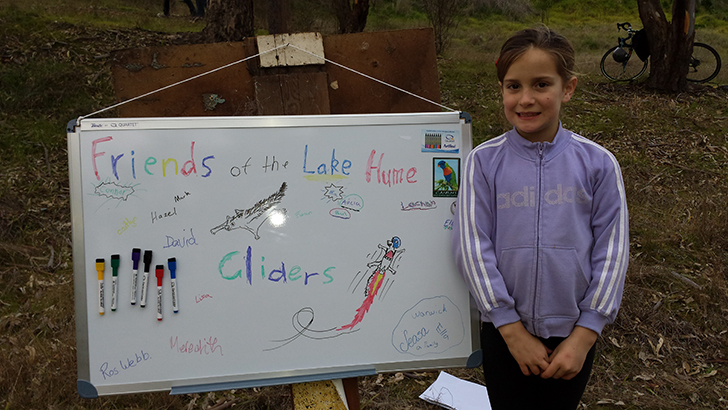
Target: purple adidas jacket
(541, 233)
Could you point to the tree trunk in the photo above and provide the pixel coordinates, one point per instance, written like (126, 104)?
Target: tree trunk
(352, 17)
(229, 20)
(278, 16)
(671, 43)
(442, 15)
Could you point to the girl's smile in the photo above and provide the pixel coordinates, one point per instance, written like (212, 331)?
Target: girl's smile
(533, 92)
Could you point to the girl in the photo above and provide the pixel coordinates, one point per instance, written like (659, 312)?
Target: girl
(540, 234)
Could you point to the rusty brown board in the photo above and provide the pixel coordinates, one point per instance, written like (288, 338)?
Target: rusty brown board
(403, 58)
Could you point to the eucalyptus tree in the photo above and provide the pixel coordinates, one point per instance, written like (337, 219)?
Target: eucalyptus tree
(670, 42)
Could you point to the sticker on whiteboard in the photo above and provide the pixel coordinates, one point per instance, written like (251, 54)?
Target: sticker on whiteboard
(445, 177)
(441, 141)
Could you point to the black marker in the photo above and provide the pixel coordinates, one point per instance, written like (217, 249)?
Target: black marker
(145, 280)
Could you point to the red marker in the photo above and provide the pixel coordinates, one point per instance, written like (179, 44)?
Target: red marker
(160, 274)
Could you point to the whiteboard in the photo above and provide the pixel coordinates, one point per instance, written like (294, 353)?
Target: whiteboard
(306, 248)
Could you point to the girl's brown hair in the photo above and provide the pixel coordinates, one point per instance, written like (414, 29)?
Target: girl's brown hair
(542, 38)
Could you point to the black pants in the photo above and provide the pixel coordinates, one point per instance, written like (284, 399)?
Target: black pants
(509, 389)
(187, 2)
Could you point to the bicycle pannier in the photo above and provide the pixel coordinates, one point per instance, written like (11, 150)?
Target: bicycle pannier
(641, 45)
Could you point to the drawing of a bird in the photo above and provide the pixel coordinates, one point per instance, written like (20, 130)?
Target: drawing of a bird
(451, 178)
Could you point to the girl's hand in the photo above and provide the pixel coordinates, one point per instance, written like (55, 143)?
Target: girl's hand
(568, 357)
(532, 356)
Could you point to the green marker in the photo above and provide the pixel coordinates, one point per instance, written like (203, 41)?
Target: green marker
(114, 274)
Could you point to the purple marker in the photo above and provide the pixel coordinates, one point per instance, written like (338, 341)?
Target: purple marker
(136, 254)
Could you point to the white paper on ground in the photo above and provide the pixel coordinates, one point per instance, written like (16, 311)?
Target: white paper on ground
(451, 392)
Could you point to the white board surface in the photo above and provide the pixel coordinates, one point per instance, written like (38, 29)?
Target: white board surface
(306, 247)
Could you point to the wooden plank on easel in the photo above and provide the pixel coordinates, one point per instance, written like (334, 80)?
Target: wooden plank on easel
(292, 94)
(312, 43)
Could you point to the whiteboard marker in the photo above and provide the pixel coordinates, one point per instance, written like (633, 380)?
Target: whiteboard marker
(114, 274)
(160, 274)
(100, 271)
(172, 265)
(145, 279)
(136, 253)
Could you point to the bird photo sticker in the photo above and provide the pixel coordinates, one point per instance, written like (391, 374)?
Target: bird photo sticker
(445, 177)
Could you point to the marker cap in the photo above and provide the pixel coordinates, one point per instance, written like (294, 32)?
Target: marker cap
(147, 260)
(172, 265)
(100, 268)
(136, 254)
(159, 272)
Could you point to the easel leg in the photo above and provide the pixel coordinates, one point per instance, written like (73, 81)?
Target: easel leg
(351, 388)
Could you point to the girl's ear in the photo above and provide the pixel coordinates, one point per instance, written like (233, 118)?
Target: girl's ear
(569, 89)
(500, 86)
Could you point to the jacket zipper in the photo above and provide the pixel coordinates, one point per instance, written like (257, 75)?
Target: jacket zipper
(538, 236)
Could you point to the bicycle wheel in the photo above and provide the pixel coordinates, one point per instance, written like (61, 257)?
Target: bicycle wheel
(629, 70)
(704, 63)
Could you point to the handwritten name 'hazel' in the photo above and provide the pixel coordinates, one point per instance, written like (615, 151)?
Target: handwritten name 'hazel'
(156, 216)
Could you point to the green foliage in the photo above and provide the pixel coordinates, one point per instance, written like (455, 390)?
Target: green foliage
(396, 15)
(594, 8)
(712, 21)
(139, 14)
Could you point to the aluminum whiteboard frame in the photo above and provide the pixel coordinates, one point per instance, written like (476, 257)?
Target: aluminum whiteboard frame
(77, 126)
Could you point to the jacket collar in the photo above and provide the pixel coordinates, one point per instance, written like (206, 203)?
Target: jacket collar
(530, 150)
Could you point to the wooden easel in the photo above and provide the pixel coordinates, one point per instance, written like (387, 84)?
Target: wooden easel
(286, 82)
(325, 395)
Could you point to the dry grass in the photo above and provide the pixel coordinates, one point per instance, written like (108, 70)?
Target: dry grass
(667, 349)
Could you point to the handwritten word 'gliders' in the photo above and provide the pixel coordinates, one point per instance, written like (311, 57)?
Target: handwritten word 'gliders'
(229, 263)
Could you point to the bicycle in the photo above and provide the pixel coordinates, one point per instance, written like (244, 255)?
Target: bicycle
(618, 63)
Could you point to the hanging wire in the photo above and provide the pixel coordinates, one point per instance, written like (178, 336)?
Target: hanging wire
(78, 121)
(371, 78)
(179, 82)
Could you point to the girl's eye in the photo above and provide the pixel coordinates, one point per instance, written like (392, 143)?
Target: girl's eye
(542, 85)
(512, 86)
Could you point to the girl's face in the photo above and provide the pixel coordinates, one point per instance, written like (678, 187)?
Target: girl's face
(532, 92)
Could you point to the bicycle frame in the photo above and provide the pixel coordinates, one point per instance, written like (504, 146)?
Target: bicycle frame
(618, 63)
(620, 58)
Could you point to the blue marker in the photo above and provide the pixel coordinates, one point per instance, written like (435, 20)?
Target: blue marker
(136, 254)
(172, 265)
